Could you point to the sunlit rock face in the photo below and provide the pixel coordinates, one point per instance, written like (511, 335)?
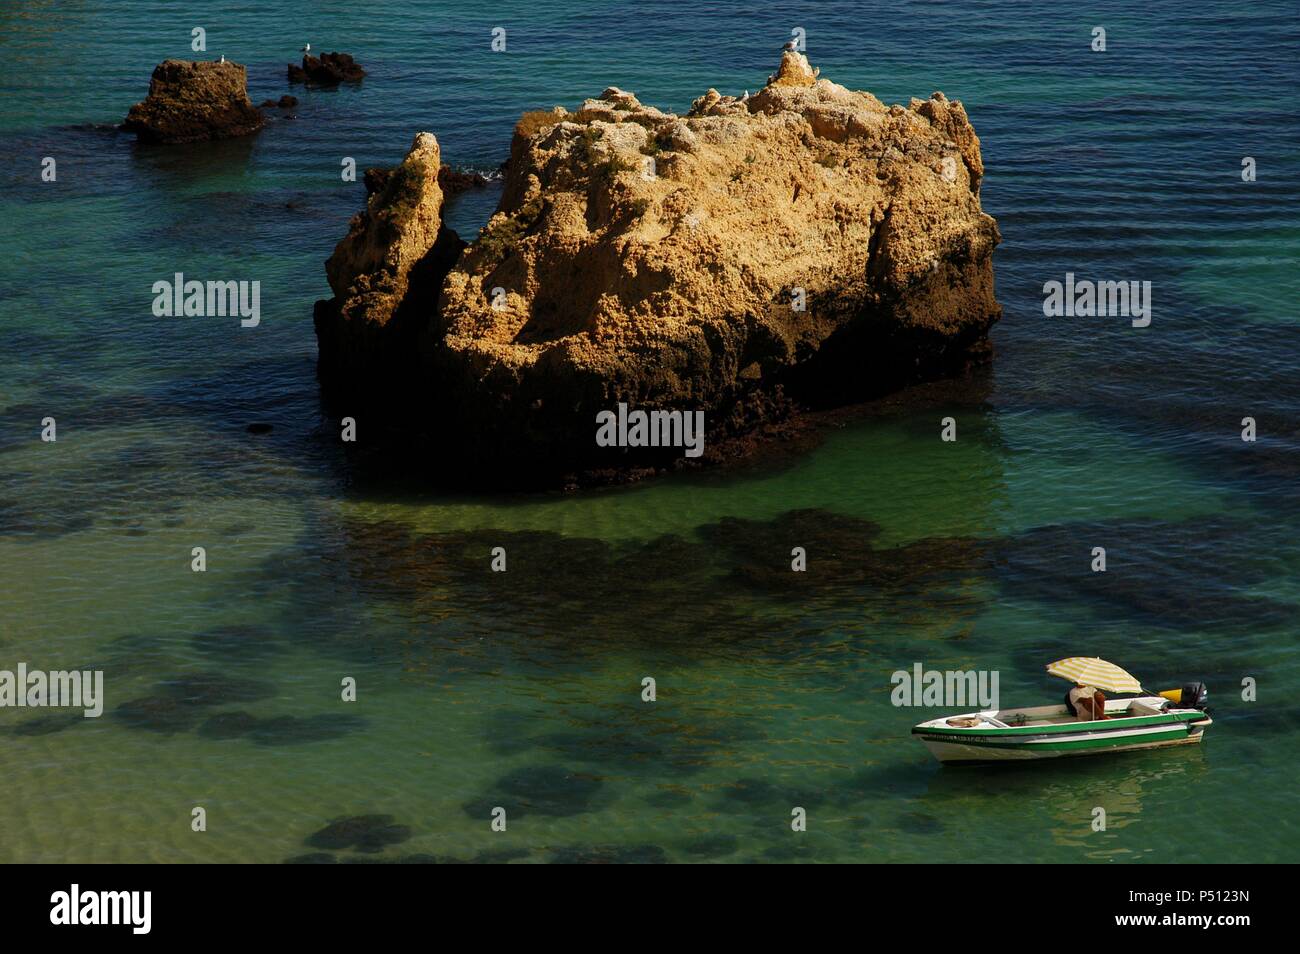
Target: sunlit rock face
(802, 247)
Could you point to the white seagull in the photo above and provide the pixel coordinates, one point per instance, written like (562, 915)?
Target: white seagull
(223, 57)
(306, 49)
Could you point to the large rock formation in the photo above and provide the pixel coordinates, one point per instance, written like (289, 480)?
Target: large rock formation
(804, 247)
(195, 101)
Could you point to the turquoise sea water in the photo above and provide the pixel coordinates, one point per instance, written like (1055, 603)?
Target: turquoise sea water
(522, 689)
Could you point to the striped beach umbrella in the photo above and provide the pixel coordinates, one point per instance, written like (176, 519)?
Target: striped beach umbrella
(1091, 671)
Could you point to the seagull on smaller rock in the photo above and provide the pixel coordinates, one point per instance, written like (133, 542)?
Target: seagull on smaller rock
(791, 46)
(306, 49)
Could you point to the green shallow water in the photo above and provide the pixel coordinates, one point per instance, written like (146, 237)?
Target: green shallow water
(523, 689)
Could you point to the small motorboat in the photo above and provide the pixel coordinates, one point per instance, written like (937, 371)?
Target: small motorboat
(1141, 721)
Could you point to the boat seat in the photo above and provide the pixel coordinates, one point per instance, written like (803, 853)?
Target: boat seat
(1141, 709)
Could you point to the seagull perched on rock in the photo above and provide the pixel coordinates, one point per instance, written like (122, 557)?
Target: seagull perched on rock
(223, 57)
(306, 49)
(791, 46)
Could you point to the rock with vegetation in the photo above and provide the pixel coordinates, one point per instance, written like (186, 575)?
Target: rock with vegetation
(195, 101)
(804, 247)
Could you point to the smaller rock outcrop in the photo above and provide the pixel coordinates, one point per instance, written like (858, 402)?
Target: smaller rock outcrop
(794, 70)
(194, 101)
(386, 272)
(451, 181)
(454, 181)
(330, 70)
(285, 102)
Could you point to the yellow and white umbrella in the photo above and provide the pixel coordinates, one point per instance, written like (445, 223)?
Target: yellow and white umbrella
(1091, 671)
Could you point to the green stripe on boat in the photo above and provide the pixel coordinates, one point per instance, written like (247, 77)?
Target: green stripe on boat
(1065, 728)
(1072, 745)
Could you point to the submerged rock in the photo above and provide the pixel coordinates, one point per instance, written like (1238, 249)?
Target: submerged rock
(330, 70)
(801, 248)
(195, 101)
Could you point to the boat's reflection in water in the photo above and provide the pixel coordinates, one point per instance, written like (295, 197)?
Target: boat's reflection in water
(1060, 797)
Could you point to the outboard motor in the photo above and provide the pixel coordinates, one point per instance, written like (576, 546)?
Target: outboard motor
(1194, 695)
(1191, 696)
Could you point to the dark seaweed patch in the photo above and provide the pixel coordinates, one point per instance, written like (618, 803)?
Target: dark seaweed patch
(214, 689)
(632, 738)
(48, 723)
(228, 725)
(761, 792)
(164, 714)
(368, 833)
(543, 790)
(646, 592)
(842, 559)
(179, 701)
(18, 519)
(1171, 575)
(237, 642)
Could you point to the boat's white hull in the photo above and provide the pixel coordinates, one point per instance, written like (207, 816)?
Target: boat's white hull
(956, 752)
